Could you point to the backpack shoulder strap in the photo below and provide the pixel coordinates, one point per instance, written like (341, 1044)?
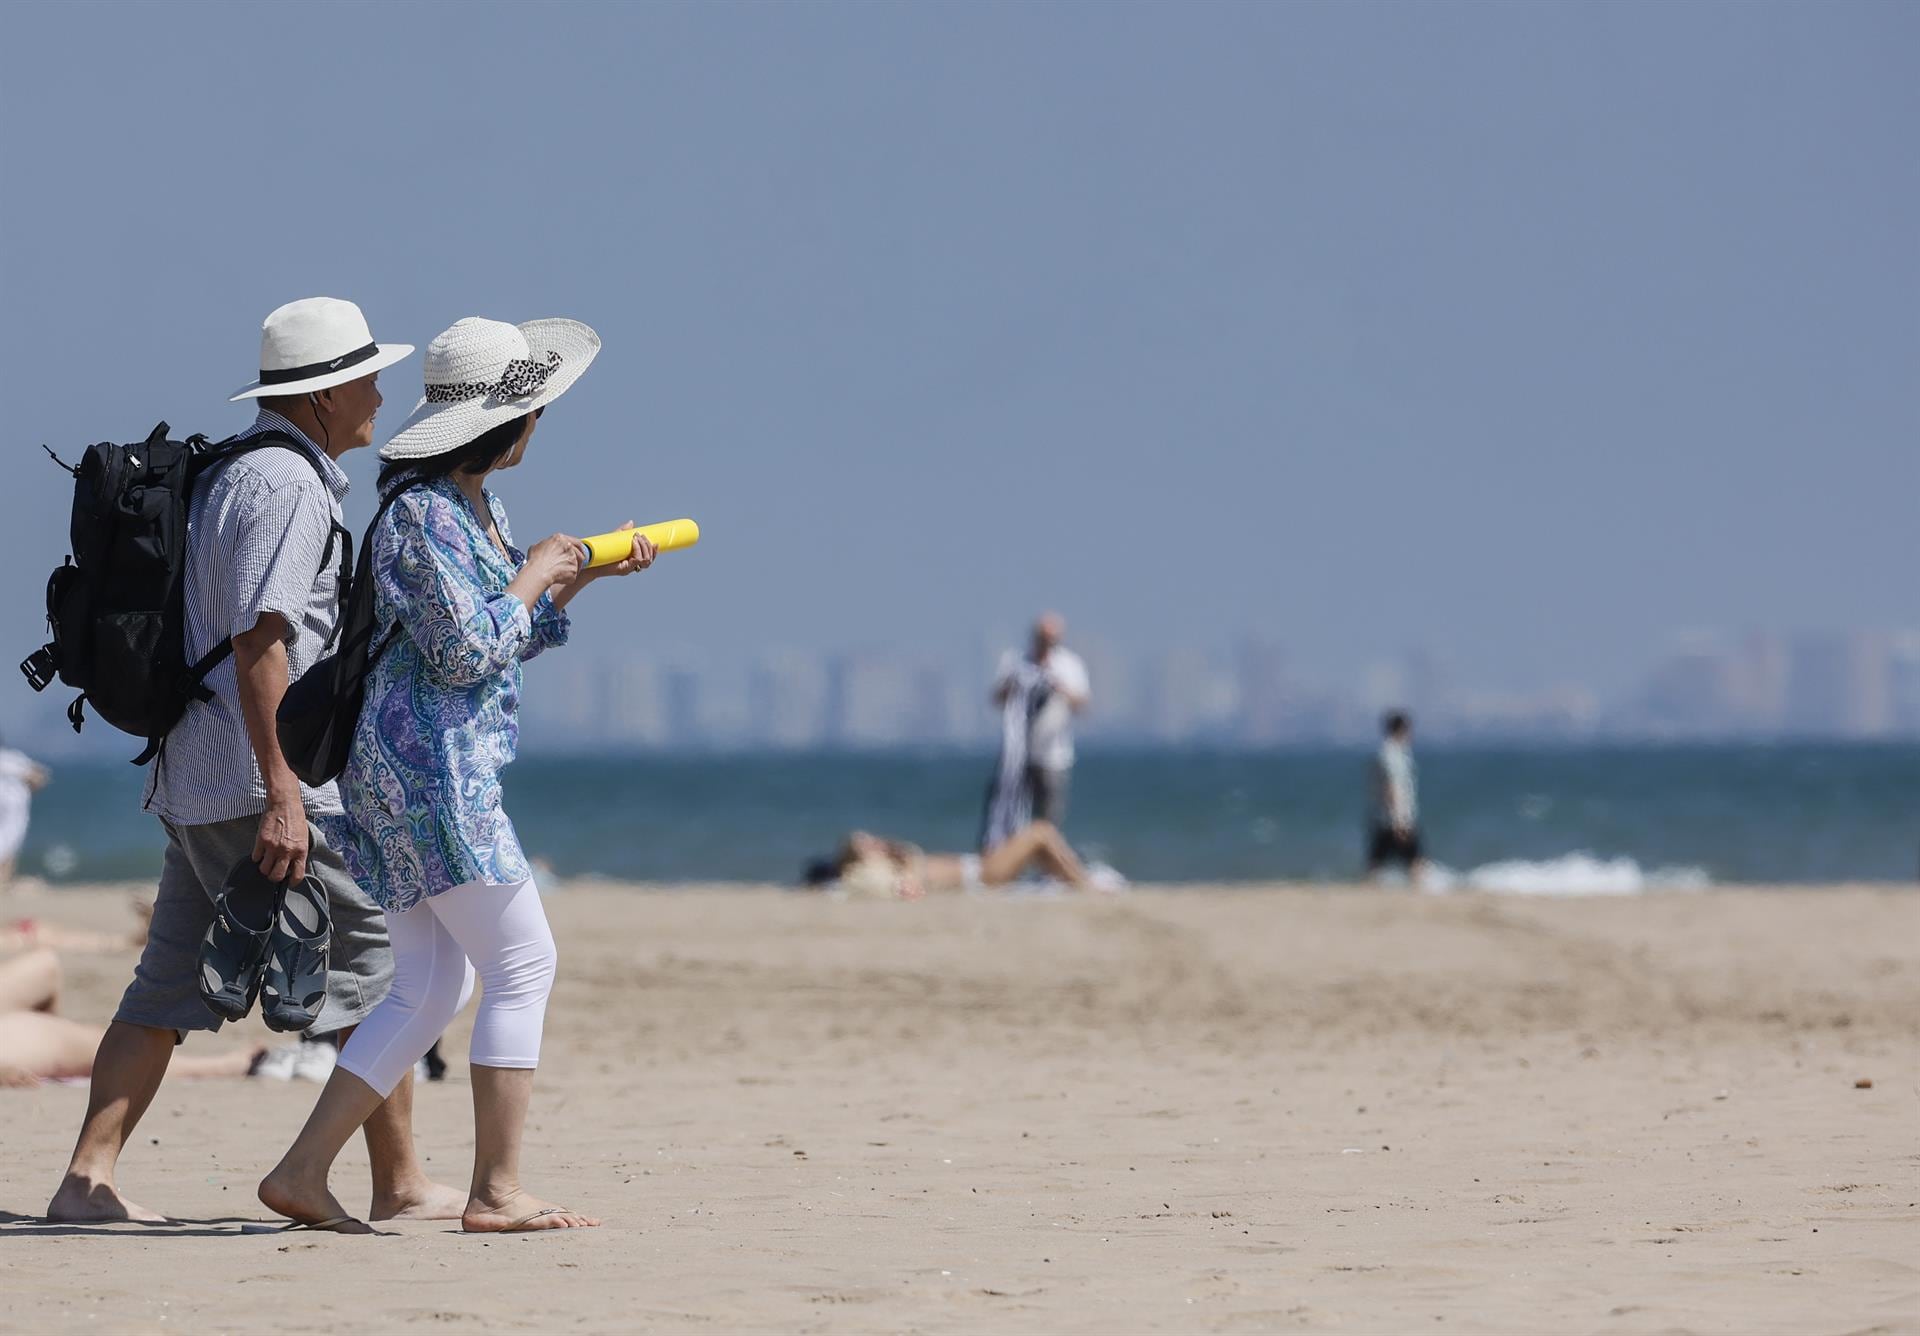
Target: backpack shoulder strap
(222, 452)
(225, 452)
(272, 438)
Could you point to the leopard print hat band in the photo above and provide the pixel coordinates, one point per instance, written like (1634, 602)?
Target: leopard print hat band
(520, 380)
(480, 373)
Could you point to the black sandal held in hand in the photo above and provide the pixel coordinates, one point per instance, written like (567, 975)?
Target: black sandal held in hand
(296, 979)
(233, 954)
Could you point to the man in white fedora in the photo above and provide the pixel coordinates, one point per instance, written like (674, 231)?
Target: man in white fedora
(263, 534)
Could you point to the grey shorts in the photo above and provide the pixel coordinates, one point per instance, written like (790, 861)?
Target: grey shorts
(165, 992)
(1049, 788)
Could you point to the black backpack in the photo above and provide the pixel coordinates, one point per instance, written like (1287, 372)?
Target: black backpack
(318, 715)
(116, 607)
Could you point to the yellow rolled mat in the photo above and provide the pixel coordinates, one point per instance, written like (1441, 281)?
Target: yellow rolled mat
(668, 535)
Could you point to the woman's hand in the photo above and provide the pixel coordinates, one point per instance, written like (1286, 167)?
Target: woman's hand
(555, 560)
(638, 560)
(552, 563)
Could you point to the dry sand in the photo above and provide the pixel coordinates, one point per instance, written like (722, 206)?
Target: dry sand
(1192, 1110)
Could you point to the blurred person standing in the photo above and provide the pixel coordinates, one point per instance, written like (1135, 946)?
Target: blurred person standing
(20, 778)
(1038, 695)
(1394, 833)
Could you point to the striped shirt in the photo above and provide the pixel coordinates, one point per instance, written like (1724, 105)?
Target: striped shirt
(257, 542)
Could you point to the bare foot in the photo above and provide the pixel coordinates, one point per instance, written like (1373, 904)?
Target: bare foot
(431, 1201)
(306, 1203)
(83, 1201)
(521, 1213)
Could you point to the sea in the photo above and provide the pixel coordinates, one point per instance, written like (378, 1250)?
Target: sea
(1562, 820)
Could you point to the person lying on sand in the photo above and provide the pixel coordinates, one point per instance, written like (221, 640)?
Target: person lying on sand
(872, 867)
(36, 1045)
(29, 934)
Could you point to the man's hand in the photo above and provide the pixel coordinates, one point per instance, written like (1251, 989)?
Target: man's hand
(281, 846)
(260, 668)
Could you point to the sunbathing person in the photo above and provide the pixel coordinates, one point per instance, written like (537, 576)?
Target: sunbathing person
(870, 866)
(36, 1045)
(30, 934)
(30, 982)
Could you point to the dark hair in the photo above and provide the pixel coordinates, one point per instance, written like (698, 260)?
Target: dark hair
(281, 403)
(1395, 723)
(476, 456)
(826, 871)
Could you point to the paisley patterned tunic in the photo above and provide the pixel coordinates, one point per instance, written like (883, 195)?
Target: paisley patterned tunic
(422, 786)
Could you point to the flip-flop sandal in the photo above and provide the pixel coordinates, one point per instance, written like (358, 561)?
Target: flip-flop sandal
(233, 954)
(520, 1226)
(295, 985)
(331, 1225)
(334, 1224)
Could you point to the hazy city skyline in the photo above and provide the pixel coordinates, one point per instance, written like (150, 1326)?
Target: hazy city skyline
(1525, 333)
(1854, 685)
(1246, 694)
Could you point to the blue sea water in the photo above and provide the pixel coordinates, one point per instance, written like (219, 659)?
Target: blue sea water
(1645, 816)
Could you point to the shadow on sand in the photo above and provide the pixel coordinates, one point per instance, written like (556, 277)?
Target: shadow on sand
(15, 1225)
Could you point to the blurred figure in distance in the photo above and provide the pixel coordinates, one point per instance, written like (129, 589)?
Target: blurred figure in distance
(1394, 827)
(1038, 694)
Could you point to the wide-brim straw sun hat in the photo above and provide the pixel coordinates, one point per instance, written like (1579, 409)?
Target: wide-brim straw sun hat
(482, 373)
(315, 344)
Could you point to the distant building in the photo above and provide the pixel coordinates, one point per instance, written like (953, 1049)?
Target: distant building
(836, 707)
(680, 701)
(1759, 683)
(1903, 684)
(630, 707)
(1838, 685)
(1265, 694)
(876, 700)
(1562, 714)
(1110, 712)
(1691, 692)
(561, 707)
(926, 718)
(786, 702)
(1185, 697)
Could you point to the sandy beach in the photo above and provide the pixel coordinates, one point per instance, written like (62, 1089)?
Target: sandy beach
(1274, 1109)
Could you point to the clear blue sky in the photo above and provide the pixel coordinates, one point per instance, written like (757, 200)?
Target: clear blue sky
(1528, 332)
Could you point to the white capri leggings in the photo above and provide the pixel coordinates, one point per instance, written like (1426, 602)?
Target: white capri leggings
(498, 932)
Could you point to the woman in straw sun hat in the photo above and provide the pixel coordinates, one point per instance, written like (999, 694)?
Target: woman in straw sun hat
(423, 830)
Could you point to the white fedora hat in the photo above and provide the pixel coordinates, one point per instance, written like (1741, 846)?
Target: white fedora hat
(315, 344)
(481, 373)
